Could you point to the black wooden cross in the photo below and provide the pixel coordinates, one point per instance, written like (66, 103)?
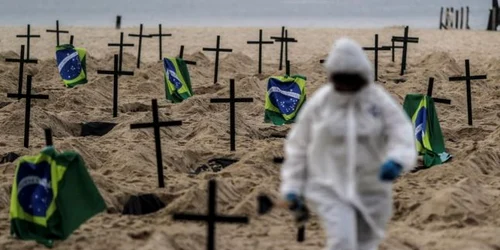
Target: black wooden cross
(160, 36)
(28, 37)
(301, 233)
(405, 40)
(48, 137)
(232, 100)
(27, 113)
(217, 51)
(376, 49)
(71, 39)
(284, 40)
(467, 78)
(57, 31)
(430, 88)
(121, 45)
(21, 62)
(181, 55)
(287, 68)
(140, 35)
(212, 218)
(116, 72)
(260, 43)
(156, 125)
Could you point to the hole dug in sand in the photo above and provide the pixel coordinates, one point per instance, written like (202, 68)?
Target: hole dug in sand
(213, 165)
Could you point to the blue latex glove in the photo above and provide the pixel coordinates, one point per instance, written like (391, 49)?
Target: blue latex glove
(390, 170)
(294, 201)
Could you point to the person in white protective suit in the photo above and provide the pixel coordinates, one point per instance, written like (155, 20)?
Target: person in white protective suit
(350, 141)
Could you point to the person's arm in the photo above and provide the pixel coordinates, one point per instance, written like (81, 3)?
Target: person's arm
(401, 145)
(293, 171)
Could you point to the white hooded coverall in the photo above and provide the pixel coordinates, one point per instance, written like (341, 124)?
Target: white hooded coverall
(335, 150)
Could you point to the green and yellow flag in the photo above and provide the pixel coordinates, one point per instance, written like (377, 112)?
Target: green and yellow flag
(284, 98)
(52, 195)
(428, 135)
(177, 80)
(71, 63)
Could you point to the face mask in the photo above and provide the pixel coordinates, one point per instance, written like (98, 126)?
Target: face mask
(348, 83)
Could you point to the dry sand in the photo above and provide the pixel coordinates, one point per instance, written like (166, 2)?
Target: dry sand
(452, 206)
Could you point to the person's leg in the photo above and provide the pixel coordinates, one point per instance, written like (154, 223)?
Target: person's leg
(367, 239)
(339, 222)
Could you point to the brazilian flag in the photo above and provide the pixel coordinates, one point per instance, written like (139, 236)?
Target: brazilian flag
(71, 63)
(177, 80)
(429, 138)
(52, 195)
(284, 98)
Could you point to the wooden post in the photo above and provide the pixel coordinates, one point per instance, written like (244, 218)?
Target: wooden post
(494, 19)
(456, 19)
(441, 18)
(118, 22)
(467, 21)
(446, 17)
(461, 17)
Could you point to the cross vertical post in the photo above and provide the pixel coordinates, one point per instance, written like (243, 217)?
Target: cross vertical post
(48, 137)
(212, 218)
(116, 73)
(21, 62)
(140, 35)
(27, 114)
(217, 50)
(467, 78)
(232, 110)
(160, 36)
(57, 31)
(156, 124)
(121, 45)
(260, 43)
(28, 37)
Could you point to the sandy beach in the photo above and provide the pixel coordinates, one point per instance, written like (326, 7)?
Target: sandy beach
(450, 206)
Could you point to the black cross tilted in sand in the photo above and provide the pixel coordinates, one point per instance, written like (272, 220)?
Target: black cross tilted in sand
(48, 137)
(21, 62)
(405, 40)
(116, 72)
(156, 125)
(28, 37)
(160, 36)
(284, 40)
(467, 78)
(27, 114)
(376, 49)
(57, 31)
(121, 45)
(260, 43)
(140, 35)
(430, 88)
(181, 56)
(232, 100)
(217, 50)
(212, 218)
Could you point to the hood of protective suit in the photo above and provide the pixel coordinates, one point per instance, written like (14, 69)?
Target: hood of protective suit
(347, 56)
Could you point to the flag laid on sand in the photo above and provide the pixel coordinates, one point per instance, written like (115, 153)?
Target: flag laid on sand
(284, 98)
(52, 195)
(429, 138)
(71, 63)
(177, 80)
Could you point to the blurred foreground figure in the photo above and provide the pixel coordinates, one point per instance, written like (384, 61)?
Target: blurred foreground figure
(351, 140)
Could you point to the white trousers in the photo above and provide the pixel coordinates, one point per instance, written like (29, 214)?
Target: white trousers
(345, 227)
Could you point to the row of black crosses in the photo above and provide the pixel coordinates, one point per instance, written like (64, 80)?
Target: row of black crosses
(402, 39)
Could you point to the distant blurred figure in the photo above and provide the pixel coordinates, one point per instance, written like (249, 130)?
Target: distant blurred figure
(351, 140)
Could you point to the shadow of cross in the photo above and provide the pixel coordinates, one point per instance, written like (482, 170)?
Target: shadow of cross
(212, 218)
